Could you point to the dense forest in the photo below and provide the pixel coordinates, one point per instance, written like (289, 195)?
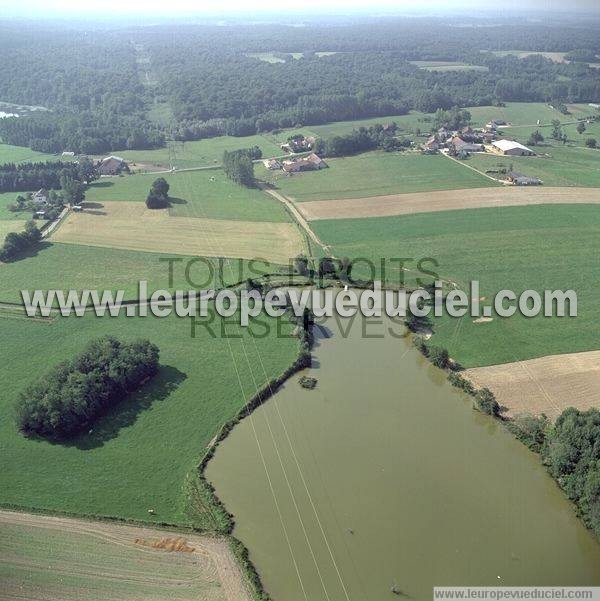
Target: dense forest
(100, 85)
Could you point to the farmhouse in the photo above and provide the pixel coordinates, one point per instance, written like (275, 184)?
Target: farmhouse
(40, 197)
(112, 166)
(310, 163)
(462, 145)
(432, 145)
(299, 143)
(272, 164)
(511, 148)
(520, 179)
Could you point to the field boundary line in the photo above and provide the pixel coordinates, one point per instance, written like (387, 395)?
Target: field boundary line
(296, 214)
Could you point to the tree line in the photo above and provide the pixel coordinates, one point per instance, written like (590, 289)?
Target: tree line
(49, 175)
(74, 394)
(360, 140)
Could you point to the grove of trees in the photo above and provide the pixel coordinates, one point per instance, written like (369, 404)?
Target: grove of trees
(74, 394)
(158, 197)
(16, 243)
(238, 167)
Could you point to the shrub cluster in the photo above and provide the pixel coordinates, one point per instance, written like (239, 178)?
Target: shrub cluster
(74, 394)
(16, 243)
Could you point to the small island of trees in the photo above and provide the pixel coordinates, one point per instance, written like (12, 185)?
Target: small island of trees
(74, 394)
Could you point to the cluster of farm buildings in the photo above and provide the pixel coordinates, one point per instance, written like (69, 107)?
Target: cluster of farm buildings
(297, 144)
(462, 143)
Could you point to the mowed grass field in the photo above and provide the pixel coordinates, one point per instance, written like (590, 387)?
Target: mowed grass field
(22, 154)
(72, 560)
(442, 66)
(131, 226)
(518, 113)
(139, 455)
(376, 174)
(10, 226)
(555, 165)
(197, 153)
(72, 267)
(203, 194)
(515, 248)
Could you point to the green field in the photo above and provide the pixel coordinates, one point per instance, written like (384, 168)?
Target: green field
(557, 57)
(376, 174)
(138, 455)
(7, 198)
(21, 154)
(557, 166)
(516, 248)
(206, 193)
(197, 153)
(518, 113)
(71, 267)
(443, 66)
(7, 226)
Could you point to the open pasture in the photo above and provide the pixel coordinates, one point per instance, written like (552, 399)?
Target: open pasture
(546, 385)
(516, 248)
(195, 153)
(444, 66)
(7, 226)
(61, 559)
(555, 165)
(131, 226)
(517, 113)
(445, 200)
(555, 57)
(22, 154)
(58, 266)
(203, 194)
(376, 174)
(139, 455)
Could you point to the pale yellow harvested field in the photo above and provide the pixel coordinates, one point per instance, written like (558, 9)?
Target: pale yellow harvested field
(48, 558)
(131, 226)
(545, 385)
(445, 200)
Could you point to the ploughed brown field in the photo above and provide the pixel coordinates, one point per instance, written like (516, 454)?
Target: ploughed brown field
(131, 226)
(61, 559)
(445, 200)
(545, 385)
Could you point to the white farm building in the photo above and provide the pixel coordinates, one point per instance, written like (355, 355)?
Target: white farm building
(508, 147)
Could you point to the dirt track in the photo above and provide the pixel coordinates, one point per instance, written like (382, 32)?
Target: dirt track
(122, 568)
(446, 200)
(545, 385)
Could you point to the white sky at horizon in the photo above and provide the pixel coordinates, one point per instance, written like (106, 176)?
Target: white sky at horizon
(38, 8)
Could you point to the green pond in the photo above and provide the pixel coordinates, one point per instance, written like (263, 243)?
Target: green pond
(385, 475)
